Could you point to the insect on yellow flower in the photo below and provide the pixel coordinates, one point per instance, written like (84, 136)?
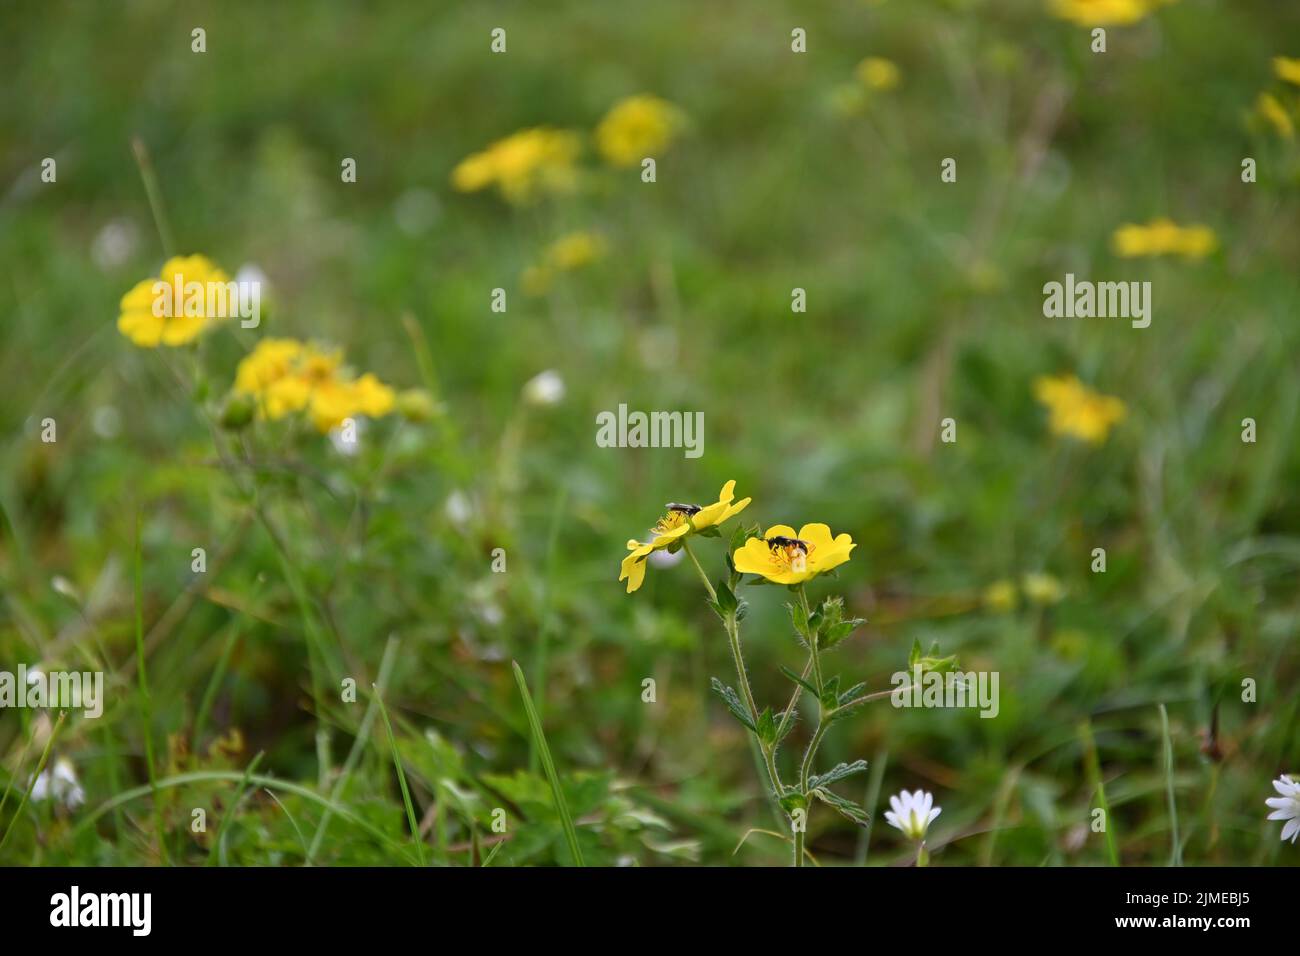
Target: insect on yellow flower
(679, 521)
(784, 557)
(637, 127)
(1076, 410)
(150, 315)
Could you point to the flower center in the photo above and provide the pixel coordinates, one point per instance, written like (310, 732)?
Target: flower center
(670, 522)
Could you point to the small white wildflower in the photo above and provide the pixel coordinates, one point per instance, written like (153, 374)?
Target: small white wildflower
(912, 813)
(1287, 806)
(545, 388)
(458, 508)
(60, 783)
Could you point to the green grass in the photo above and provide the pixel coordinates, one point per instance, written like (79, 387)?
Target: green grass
(924, 303)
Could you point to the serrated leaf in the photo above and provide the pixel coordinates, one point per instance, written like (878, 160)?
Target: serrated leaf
(851, 693)
(838, 772)
(846, 808)
(840, 630)
(798, 619)
(732, 700)
(798, 680)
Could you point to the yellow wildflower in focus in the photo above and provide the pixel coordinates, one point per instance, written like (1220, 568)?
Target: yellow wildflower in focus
(523, 166)
(637, 127)
(793, 558)
(1271, 109)
(1287, 68)
(1076, 410)
(1102, 13)
(1042, 588)
(1163, 237)
(877, 73)
(183, 318)
(286, 376)
(679, 521)
(569, 252)
(1000, 596)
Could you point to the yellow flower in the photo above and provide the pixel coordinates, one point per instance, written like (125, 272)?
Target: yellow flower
(1042, 588)
(522, 166)
(815, 550)
(637, 127)
(1163, 237)
(1287, 68)
(1077, 410)
(676, 524)
(1276, 115)
(183, 319)
(287, 376)
(1000, 596)
(569, 252)
(1101, 13)
(876, 73)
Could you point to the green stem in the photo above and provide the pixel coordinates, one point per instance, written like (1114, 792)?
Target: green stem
(713, 595)
(798, 848)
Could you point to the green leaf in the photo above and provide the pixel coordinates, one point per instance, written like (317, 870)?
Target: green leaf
(851, 693)
(846, 808)
(840, 630)
(838, 772)
(544, 752)
(712, 531)
(726, 599)
(793, 800)
(830, 698)
(799, 621)
(798, 680)
(732, 700)
(766, 726)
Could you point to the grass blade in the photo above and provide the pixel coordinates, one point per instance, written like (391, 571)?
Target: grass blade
(45, 756)
(1176, 854)
(539, 741)
(401, 778)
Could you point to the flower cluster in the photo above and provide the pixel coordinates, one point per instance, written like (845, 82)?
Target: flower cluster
(1076, 410)
(637, 127)
(1163, 237)
(1280, 108)
(285, 376)
(140, 319)
(570, 252)
(1104, 13)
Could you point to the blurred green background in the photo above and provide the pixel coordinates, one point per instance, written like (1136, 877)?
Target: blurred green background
(924, 301)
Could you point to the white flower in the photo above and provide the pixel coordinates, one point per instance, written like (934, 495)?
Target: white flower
(1287, 806)
(545, 388)
(912, 813)
(60, 783)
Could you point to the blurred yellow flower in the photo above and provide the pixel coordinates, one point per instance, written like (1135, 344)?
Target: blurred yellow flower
(286, 376)
(677, 523)
(1000, 596)
(637, 127)
(1287, 68)
(1042, 588)
(876, 73)
(182, 321)
(1076, 410)
(1163, 237)
(572, 251)
(523, 166)
(1271, 109)
(1102, 13)
(813, 552)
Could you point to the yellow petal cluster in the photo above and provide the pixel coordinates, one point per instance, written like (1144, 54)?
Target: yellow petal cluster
(139, 320)
(572, 251)
(523, 166)
(780, 566)
(285, 376)
(1103, 13)
(673, 527)
(1077, 411)
(1162, 237)
(637, 127)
